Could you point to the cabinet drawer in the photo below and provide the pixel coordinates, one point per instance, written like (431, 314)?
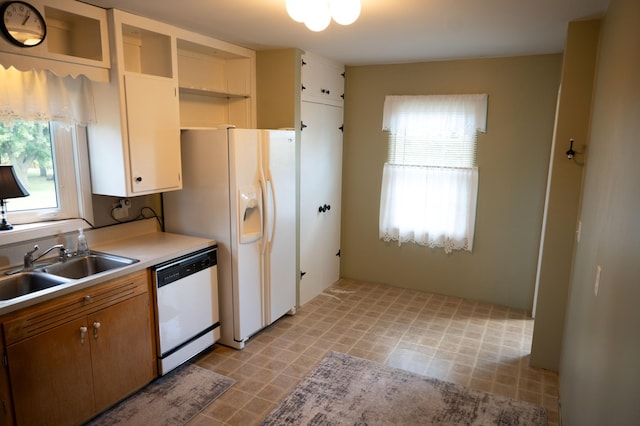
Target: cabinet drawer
(47, 315)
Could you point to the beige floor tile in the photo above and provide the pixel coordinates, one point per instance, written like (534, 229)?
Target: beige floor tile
(471, 343)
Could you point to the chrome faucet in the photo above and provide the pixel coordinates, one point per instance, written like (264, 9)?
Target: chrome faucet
(29, 260)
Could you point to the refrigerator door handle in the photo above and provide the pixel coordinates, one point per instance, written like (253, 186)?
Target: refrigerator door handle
(274, 214)
(265, 212)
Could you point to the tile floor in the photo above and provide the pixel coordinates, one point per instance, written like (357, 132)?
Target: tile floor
(475, 344)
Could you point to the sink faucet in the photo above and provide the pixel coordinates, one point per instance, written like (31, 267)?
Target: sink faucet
(29, 260)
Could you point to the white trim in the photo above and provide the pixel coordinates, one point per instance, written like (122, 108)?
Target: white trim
(32, 231)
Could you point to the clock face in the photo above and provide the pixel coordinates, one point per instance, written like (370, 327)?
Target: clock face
(22, 24)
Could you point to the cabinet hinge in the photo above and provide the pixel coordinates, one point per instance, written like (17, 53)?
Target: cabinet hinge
(302, 126)
(5, 360)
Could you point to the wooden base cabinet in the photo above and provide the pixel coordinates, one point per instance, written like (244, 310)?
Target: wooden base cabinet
(73, 357)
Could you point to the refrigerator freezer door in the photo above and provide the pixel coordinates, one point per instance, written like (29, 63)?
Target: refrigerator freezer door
(248, 290)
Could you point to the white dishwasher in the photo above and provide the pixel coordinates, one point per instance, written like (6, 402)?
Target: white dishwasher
(187, 307)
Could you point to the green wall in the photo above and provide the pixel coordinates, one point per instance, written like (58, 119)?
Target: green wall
(513, 158)
(564, 189)
(599, 371)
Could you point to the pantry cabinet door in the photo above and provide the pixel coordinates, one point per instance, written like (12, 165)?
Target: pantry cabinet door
(320, 198)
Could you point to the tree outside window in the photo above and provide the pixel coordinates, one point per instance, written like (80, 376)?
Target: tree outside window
(27, 146)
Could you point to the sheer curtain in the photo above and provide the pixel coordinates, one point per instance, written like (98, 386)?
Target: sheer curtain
(430, 181)
(43, 96)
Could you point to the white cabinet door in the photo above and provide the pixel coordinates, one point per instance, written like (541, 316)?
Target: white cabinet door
(322, 80)
(153, 120)
(320, 197)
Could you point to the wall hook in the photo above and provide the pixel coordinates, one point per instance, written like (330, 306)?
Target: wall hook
(571, 153)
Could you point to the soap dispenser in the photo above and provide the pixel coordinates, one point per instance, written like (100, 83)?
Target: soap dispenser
(82, 247)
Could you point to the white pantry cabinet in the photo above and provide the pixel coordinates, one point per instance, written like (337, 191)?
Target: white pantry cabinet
(306, 92)
(322, 80)
(134, 146)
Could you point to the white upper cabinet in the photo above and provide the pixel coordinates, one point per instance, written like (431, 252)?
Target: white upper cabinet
(152, 122)
(217, 82)
(76, 41)
(134, 147)
(322, 80)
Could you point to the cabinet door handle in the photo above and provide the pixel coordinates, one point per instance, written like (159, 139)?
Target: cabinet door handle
(139, 179)
(96, 326)
(83, 332)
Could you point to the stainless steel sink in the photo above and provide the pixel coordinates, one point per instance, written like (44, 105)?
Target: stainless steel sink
(17, 285)
(83, 266)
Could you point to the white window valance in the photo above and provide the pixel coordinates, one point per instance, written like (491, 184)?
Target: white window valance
(434, 116)
(43, 96)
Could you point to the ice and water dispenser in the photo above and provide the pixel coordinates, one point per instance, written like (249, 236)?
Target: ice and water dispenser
(250, 210)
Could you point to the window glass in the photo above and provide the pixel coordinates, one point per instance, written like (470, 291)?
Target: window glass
(27, 146)
(43, 155)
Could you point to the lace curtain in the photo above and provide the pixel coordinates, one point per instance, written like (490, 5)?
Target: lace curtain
(43, 96)
(426, 200)
(430, 206)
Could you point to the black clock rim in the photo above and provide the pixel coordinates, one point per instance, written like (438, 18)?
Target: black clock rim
(8, 35)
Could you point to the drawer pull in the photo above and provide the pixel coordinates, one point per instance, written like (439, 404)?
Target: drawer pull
(83, 332)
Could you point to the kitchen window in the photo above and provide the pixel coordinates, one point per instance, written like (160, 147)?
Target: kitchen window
(430, 179)
(43, 120)
(42, 154)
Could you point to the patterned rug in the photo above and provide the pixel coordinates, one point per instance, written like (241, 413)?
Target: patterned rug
(171, 400)
(345, 390)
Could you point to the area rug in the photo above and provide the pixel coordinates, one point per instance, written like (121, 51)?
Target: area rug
(171, 400)
(345, 390)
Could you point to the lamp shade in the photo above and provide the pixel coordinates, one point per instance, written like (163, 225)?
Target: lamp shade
(345, 12)
(318, 16)
(10, 186)
(297, 10)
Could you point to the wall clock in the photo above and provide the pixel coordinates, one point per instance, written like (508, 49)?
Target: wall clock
(22, 24)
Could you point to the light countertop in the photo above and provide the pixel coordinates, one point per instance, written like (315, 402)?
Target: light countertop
(149, 248)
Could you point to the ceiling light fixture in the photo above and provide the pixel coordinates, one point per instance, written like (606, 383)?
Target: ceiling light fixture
(317, 14)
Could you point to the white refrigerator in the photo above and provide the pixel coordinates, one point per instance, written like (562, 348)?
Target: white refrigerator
(239, 188)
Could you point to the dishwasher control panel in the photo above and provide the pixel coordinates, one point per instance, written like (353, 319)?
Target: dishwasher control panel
(182, 267)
